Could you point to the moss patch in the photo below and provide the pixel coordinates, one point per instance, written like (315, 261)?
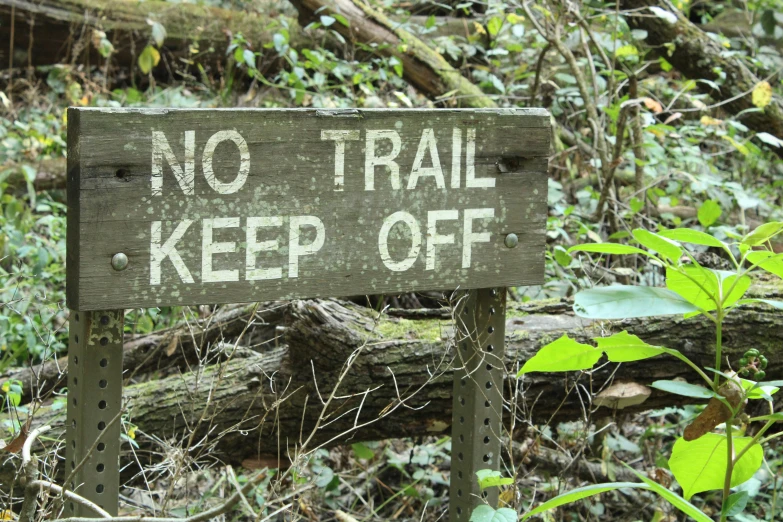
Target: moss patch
(425, 330)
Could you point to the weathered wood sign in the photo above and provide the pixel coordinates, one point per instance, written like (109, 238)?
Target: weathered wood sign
(174, 207)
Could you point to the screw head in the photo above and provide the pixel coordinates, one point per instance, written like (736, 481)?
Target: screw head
(119, 261)
(511, 240)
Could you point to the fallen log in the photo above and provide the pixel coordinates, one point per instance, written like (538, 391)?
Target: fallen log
(422, 66)
(699, 57)
(49, 175)
(400, 384)
(48, 32)
(163, 351)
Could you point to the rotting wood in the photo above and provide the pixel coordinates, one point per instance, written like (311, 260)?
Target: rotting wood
(398, 358)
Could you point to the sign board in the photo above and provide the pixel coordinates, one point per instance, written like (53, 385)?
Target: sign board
(182, 207)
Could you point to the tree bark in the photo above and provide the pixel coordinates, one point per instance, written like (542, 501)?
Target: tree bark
(423, 67)
(263, 404)
(698, 56)
(61, 31)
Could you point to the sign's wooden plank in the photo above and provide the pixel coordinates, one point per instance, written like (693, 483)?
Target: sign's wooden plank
(218, 206)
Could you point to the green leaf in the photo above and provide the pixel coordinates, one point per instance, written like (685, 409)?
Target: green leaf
(777, 417)
(572, 496)
(158, 32)
(494, 25)
(759, 391)
(324, 476)
(343, 20)
(563, 355)
(488, 478)
(763, 233)
(769, 139)
(607, 248)
(362, 452)
(683, 388)
(673, 498)
(624, 347)
(430, 23)
(485, 513)
(249, 57)
(769, 261)
(689, 235)
(665, 247)
(709, 212)
(699, 285)
(622, 302)
(562, 256)
(627, 50)
(700, 465)
(770, 302)
(736, 503)
(148, 59)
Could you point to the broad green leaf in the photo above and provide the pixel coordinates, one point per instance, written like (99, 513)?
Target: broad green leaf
(563, 355)
(700, 465)
(699, 285)
(148, 59)
(673, 498)
(607, 248)
(622, 302)
(736, 503)
(494, 25)
(488, 478)
(763, 233)
(772, 263)
(485, 513)
(683, 388)
(709, 212)
(323, 477)
(759, 390)
(770, 302)
(777, 417)
(362, 451)
(695, 237)
(624, 347)
(665, 247)
(572, 496)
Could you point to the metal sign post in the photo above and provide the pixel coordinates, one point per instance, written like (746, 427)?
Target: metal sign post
(94, 403)
(478, 398)
(175, 207)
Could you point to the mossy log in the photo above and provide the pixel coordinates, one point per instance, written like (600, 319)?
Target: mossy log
(697, 56)
(47, 32)
(423, 67)
(267, 403)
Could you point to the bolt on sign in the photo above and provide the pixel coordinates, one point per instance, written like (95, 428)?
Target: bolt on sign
(181, 207)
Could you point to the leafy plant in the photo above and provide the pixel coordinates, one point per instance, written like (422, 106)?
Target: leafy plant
(702, 459)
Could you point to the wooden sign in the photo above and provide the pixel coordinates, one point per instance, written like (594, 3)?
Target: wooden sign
(182, 207)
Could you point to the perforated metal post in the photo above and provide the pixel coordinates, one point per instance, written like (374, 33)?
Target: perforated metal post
(94, 400)
(478, 398)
